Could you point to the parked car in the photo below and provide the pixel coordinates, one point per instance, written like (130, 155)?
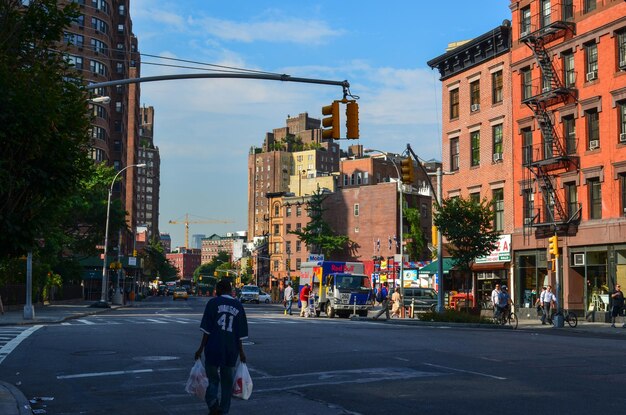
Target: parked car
(250, 293)
(425, 299)
(180, 292)
(264, 297)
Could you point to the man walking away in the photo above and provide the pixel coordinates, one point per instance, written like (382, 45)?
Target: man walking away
(384, 299)
(617, 298)
(224, 326)
(288, 298)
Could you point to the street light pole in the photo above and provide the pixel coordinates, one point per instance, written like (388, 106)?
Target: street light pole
(103, 299)
(399, 187)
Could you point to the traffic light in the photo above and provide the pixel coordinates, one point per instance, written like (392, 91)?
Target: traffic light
(553, 245)
(331, 123)
(352, 120)
(134, 252)
(408, 174)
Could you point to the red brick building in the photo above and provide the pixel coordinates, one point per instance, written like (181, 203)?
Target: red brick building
(477, 143)
(568, 62)
(186, 261)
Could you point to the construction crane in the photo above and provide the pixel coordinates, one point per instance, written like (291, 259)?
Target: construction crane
(187, 222)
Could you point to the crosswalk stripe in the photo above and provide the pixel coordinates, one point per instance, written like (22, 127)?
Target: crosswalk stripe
(85, 321)
(156, 321)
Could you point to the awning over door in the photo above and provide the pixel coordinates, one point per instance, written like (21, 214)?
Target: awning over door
(448, 264)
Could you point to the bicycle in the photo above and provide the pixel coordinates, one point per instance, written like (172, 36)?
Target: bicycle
(506, 317)
(570, 317)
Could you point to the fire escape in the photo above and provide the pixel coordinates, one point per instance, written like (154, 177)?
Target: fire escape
(545, 161)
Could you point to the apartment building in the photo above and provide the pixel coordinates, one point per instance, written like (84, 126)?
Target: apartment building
(477, 145)
(568, 70)
(231, 243)
(185, 261)
(148, 179)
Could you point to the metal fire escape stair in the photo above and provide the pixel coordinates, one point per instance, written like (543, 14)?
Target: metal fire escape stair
(552, 157)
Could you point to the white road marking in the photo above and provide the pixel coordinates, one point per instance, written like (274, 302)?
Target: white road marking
(82, 320)
(466, 371)
(156, 321)
(10, 346)
(401, 359)
(115, 373)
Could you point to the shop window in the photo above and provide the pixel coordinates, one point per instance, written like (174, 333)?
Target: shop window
(533, 276)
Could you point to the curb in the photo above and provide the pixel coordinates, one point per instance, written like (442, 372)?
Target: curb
(59, 319)
(13, 401)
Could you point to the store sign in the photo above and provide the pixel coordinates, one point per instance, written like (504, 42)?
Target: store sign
(502, 253)
(316, 257)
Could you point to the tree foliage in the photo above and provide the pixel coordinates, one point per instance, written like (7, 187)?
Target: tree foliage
(415, 235)
(208, 268)
(467, 225)
(43, 122)
(155, 263)
(317, 234)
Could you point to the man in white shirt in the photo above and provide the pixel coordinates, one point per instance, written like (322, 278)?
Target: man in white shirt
(547, 300)
(288, 294)
(495, 299)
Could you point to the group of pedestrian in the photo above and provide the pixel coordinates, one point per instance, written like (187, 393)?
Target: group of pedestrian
(501, 300)
(387, 302)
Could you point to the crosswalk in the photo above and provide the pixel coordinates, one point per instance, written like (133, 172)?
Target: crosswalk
(252, 320)
(11, 337)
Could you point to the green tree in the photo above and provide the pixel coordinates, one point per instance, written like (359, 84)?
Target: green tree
(467, 225)
(209, 268)
(417, 241)
(156, 264)
(317, 234)
(43, 122)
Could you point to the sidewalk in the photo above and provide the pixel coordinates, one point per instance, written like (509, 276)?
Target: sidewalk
(56, 312)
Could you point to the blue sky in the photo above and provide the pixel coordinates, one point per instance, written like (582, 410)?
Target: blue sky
(205, 128)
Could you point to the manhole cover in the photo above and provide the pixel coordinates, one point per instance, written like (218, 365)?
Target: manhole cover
(94, 353)
(156, 358)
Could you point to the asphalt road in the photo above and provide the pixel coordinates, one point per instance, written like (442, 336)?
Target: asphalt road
(136, 361)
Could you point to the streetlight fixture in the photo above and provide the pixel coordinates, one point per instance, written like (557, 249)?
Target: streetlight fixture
(99, 100)
(103, 299)
(372, 150)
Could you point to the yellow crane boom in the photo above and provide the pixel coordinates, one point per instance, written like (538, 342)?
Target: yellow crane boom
(187, 222)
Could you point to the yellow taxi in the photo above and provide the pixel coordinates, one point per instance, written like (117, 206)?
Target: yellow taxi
(180, 293)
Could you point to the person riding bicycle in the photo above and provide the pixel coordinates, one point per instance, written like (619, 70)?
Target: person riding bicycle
(504, 301)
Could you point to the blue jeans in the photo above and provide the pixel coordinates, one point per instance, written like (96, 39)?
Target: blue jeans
(289, 304)
(225, 378)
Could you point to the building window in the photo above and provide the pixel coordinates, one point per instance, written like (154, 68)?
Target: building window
(121, 10)
(75, 61)
(298, 210)
(475, 148)
(288, 211)
(569, 133)
(595, 198)
(288, 227)
(568, 10)
(99, 25)
(569, 74)
(527, 146)
(454, 104)
(498, 209)
(593, 128)
(496, 132)
(73, 39)
(97, 67)
(298, 246)
(298, 227)
(276, 210)
(571, 198)
(496, 87)
(525, 21)
(120, 28)
(298, 262)
(98, 133)
(101, 5)
(98, 46)
(527, 83)
(529, 206)
(119, 67)
(622, 192)
(475, 197)
(276, 265)
(118, 106)
(589, 6)
(591, 61)
(621, 49)
(546, 13)
(288, 247)
(475, 96)
(454, 154)
(356, 209)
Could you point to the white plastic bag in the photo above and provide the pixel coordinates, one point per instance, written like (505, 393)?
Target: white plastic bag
(242, 386)
(197, 382)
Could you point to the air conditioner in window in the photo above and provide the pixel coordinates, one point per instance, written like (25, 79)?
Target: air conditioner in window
(622, 138)
(497, 157)
(475, 107)
(592, 75)
(579, 260)
(593, 144)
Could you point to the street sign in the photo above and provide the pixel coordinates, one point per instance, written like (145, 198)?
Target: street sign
(132, 261)
(316, 257)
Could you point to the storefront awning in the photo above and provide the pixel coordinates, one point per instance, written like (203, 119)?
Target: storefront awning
(448, 264)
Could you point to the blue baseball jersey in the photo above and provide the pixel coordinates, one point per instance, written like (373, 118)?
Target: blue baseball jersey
(225, 322)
